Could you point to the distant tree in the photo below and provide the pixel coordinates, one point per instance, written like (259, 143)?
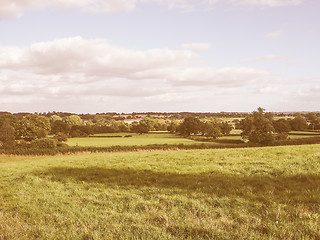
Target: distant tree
(59, 126)
(80, 131)
(7, 139)
(225, 128)
(299, 123)
(173, 125)
(314, 120)
(282, 126)
(33, 126)
(140, 127)
(74, 120)
(190, 125)
(123, 127)
(211, 128)
(11, 120)
(237, 124)
(54, 118)
(61, 137)
(149, 122)
(257, 128)
(269, 115)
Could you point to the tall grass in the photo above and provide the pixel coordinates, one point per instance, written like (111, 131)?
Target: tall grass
(256, 193)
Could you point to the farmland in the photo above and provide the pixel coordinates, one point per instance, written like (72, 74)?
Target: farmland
(120, 139)
(252, 193)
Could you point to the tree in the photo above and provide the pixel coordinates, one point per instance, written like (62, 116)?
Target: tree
(257, 128)
(140, 127)
(7, 139)
(314, 121)
(149, 122)
(172, 128)
(299, 123)
(225, 128)
(74, 120)
(59, 126)
(211, 128)
(54, 118)
(282, 126)
(190, 125)
(61, 137)
(33, 126)
(11, 120)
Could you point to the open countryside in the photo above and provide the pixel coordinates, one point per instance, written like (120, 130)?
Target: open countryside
(139, 180)
(159, 120)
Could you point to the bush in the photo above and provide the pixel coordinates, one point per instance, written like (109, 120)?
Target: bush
(7, 136)
(61, 137)
(44, 143)
(23, 143)
(281, 136)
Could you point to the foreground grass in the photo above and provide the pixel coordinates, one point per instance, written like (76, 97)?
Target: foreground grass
(257, 193)
(135, 140)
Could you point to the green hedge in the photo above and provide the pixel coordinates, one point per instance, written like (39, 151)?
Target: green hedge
(64, 149)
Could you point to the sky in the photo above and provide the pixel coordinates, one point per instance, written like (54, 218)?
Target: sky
(89, 56)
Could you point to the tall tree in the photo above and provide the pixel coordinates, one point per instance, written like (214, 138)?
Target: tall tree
(190, 125)
(33, 126)
(257, 128)
(299, 123)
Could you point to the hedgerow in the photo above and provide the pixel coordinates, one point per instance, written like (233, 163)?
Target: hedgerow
(65, 149)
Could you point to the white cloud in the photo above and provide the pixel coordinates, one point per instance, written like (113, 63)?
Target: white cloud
(221, 78)
(274, 34)
(269, 3)
(270, 57)
(16, 8)
(95, 58)
(84, 72)
(197, 46)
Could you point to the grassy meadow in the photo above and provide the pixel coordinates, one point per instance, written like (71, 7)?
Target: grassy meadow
(121, 139)
(251, 193)
(106, 140)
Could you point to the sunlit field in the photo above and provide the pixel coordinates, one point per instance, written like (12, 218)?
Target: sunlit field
(252, 193)
(136, 139)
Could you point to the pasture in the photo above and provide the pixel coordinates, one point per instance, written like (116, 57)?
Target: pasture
(119, 139)
(252, 193)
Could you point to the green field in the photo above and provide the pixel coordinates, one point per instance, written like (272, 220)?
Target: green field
(136, 139)
(253, 193)
(305, 133)
(159, 138)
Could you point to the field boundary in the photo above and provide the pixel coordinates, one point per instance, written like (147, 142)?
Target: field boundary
(152, 147)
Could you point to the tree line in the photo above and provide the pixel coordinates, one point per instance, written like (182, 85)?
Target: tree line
(257, 127)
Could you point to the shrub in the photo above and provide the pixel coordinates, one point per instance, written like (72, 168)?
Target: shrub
(281, 136)
(23, 143)
(7, 136)
(44, 143)
(61, 137)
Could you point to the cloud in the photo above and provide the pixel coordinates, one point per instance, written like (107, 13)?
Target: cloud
(196, 46)
(86, 72)
(77, 60)
(270, 57)
(93, 58)
(16, 8)
(269, 3)
(274, 34)
(221, 78)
